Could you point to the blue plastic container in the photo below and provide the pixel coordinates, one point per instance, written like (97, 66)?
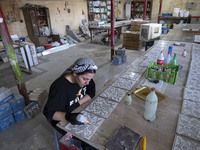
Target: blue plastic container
(7, 122)
(5, 110)
(19, 115)
(117, 60)
(17, 103)
(124, 58)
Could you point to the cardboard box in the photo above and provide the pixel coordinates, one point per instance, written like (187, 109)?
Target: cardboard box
(5, 110)
(6, 94)
(19, 115)
(17, 103)
(7, 122)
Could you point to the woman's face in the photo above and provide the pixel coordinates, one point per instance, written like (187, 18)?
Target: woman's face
(84, 79)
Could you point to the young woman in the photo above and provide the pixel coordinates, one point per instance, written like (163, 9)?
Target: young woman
(73, 88)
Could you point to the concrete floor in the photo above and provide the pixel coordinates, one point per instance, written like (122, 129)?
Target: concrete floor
(37, 133)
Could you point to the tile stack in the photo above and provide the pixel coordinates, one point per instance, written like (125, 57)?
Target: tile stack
(131, 40)
(11, 108)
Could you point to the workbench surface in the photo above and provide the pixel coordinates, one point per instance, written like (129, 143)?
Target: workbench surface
(161, 132)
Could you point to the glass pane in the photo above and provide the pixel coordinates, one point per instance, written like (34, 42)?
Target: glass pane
(34, 22)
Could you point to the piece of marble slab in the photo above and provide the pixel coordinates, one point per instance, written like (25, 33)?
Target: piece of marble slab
(183, 143)
(114, 93)
(124, 83)
(191, 94)
(188, 126)
(102, 107)
(191, 108)
(131, 75)
(86, 130)
(147, 62)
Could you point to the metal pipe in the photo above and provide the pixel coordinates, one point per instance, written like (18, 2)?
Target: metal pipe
(160, 8)
(7, 42)
(145, 10)
(112, 28)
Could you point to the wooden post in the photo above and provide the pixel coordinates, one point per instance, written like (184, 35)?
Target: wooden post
(7, 42)
(112, 28)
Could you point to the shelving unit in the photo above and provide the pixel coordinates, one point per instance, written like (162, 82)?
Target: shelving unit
(36, 19)
(137, 9)
(100, 10)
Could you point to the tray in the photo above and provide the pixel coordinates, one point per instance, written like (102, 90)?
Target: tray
(145, 90)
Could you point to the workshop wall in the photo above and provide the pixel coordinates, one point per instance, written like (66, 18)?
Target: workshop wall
(169, 5)
(59, 16)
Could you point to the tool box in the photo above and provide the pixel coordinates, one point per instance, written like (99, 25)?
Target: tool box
(155, 71)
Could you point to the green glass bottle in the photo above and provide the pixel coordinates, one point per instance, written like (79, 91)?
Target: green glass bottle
(174, 61)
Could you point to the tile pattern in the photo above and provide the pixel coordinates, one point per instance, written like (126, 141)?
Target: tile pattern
(86, 130)
(113, 93)
(182, 143)
(191, 94)
(137, 69)
(131, 75)
(124, 83)
(191, 108)
(102, 107)
(188, 126)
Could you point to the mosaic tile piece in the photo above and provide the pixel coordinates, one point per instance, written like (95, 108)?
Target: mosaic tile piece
(182, 143)
(86, 130)
(188, 126)
(102, 107)
(131, 75)
(191, 94)
(147, 62)
(191, 108)
(114, 93)
(137, 69)
(124, 83)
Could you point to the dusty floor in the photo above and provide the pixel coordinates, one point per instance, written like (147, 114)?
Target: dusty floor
(37, 134)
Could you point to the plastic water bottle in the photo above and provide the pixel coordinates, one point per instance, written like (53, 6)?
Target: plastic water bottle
(160, 59)
(184, 53)
(128, 99)
(167, 59)
(174, 61)
(170, 50)
(151, 105)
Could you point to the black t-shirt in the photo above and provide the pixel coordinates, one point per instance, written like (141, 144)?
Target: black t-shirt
(64, 97)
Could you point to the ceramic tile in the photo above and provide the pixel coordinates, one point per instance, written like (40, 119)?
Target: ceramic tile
(124, 83)
(191, 94)
(137, 69)
(86, 130)
(182, 143)
(188, 126)
(191, 108)
(113, 93)
(102, 107)
(131, 75)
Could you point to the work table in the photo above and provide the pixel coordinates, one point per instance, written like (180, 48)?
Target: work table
(161, 132)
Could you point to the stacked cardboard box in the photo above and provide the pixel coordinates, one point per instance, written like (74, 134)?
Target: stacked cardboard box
(131, 41)
(135, 25)
(11, 108)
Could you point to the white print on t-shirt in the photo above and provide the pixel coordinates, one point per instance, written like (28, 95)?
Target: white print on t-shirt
(79, 96)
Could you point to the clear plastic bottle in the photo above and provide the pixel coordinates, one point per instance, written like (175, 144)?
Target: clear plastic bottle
(174, 61)
(160, 59)
(167, 60)
(151, 105)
